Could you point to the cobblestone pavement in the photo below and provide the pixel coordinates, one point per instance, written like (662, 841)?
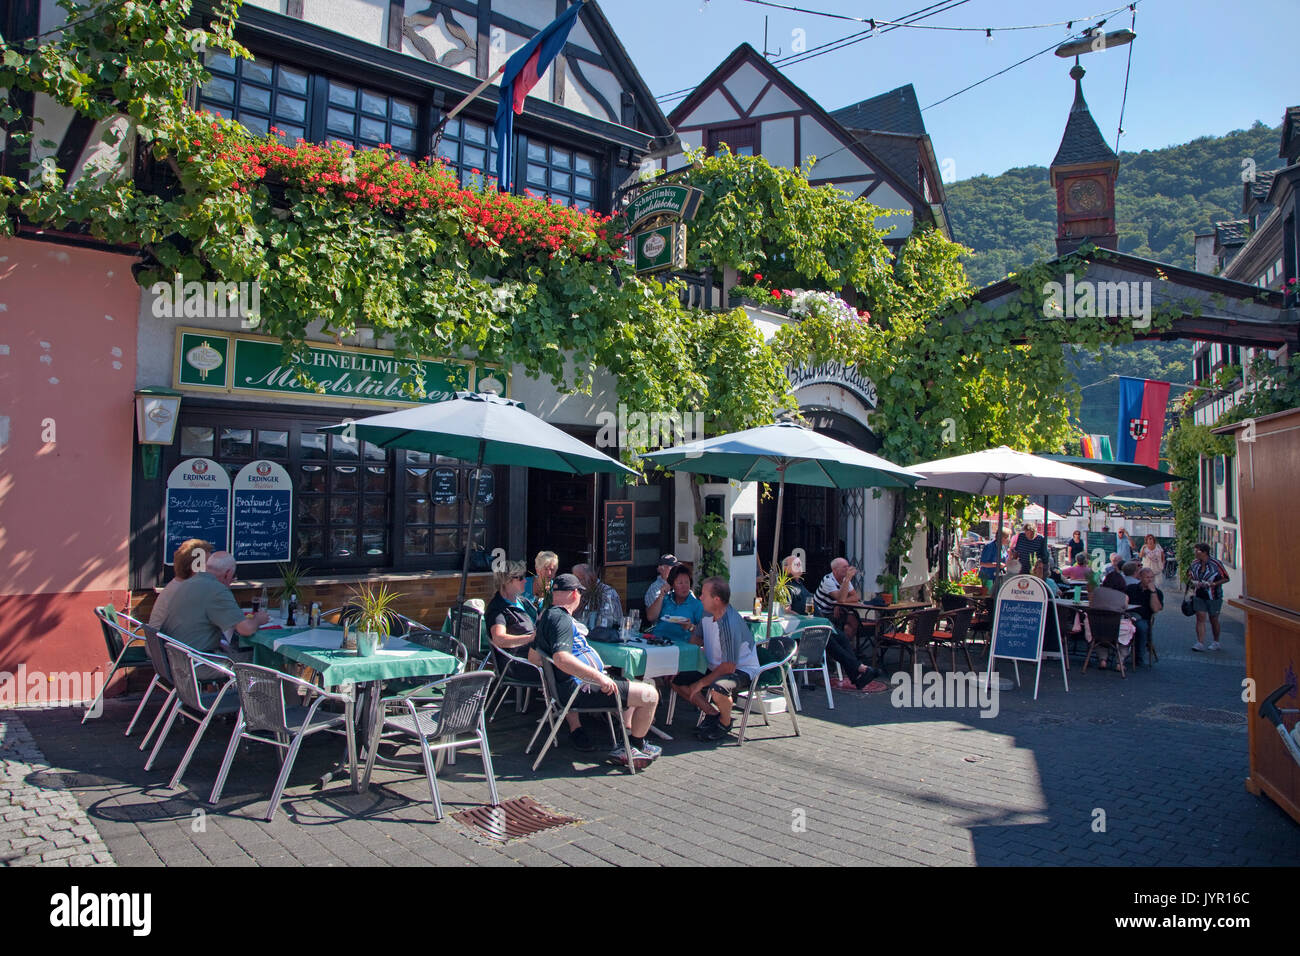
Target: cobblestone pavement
(40, 823)
(1158, 759)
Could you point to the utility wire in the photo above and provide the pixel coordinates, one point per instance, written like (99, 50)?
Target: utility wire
(1032, 56)
(836, 44)
(875, 21)
(1124, 102)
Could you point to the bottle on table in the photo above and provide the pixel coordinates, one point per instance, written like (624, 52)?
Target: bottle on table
(313, 617)
(293, 608)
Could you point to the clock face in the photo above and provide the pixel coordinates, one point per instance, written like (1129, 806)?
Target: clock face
(1086, 195)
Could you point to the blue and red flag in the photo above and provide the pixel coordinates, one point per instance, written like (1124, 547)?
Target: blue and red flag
(1142, 405)
(524, 68)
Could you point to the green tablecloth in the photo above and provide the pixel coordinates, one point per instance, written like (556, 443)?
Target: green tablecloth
(397, 659)
(788, 625)
(631, 658)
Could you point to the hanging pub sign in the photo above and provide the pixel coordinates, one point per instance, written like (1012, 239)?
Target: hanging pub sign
(263, 512)
(656, 224)
(445, 488)
(236, 363)
(198, 505)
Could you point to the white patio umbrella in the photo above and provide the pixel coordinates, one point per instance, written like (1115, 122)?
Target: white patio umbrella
(485, 429)
(780, 453)
(1004, 471)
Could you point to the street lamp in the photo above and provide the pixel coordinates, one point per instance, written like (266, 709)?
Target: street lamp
(156, 412)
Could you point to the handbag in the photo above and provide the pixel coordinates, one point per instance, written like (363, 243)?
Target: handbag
(1188, 608)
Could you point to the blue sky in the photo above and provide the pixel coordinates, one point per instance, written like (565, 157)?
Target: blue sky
(1198, 67)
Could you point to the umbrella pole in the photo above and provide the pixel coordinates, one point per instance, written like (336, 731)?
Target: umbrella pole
(1002, 485)
(469, 538)
(776, 548)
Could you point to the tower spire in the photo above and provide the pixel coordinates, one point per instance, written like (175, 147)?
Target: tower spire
(1083, 174)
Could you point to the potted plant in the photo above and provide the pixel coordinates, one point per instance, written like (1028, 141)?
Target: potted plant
(888, 587)
(781, 593)
(374, 603)
(944, 588)
(710, 532)
(290, 579)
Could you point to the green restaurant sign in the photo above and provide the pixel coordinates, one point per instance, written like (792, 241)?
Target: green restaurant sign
(674, 202)
(236, 363)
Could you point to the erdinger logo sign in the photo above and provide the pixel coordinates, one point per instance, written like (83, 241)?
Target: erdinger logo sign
(199, 466)
(263, 468)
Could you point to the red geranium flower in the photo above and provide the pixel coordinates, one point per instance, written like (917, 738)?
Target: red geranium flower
(776, 293)
(758, 277)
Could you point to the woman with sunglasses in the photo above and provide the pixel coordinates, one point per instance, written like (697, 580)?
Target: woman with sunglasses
(509, 623)
(537, 589)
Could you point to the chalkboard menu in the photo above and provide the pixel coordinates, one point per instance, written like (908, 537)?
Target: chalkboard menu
(620, 532)
(198, 505)
(263, 512)
(1106, 542)
(1019, 617)
(486, 486)
(445, 488)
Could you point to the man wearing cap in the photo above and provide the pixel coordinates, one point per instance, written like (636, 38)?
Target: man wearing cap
(579, 666)
(654, 593)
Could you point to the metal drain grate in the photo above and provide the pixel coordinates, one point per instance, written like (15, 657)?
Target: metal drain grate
(511, 820)
(1200, 715)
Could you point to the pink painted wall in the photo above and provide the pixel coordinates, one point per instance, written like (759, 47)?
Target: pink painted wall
(68, 321)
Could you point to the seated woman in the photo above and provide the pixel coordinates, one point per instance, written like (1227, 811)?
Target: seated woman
(678, 602)
(799, 593)
(537, 590)
(1150, 601)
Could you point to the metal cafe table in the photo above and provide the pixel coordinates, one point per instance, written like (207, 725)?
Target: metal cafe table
(319, 649)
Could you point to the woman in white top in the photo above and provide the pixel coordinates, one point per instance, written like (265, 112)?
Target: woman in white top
(1153, 556)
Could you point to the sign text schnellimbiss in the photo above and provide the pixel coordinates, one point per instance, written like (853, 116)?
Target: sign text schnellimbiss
(236, 363)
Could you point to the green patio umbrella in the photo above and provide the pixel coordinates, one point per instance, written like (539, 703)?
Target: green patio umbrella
(1136, 474)
(486, 429)
(781, 453)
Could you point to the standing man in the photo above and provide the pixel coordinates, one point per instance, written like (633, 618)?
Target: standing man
(1123, 546)
(654, 593)
(1031, 547)
(731, 658)
(575, 659)
(599, 597)
(836, 587)
(992, 557)
(203, 609)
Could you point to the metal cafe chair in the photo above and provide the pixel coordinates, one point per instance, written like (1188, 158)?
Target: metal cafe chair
(466, 622)
(811, 658)
(610, 705)
(191, 701)
(1103, 625)
(780, 652)
(519, 674)
(273, 708)
(125, 640)
(953, 637)
(457, 712)
(905, 638)
(154, 640)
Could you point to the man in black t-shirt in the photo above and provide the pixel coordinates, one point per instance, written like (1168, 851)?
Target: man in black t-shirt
(577, 665)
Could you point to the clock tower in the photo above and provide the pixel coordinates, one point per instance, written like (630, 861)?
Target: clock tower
(1083, 175)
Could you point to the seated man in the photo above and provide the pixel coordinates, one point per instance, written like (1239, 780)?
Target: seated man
(1130, 572)
(203, 609)
(507, 618)
(799, 593)
(678, 601)
(1079, 572)
(731, 658)
(579, 666)
(836, 587)
(600, 599)
(839, 650)
(658, 586)
(1150, 600)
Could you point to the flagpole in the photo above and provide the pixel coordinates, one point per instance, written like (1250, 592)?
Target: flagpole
(473, 95)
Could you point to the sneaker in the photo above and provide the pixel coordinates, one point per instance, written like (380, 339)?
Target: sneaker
(653, 751)
(1215, 646)
(707, 725)
(718, 731)
(639, 760)
(1198, 646)
(579, 740)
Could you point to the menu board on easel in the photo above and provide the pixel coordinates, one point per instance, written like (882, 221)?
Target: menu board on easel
(263, 512)
(620, 532)
(198, 505)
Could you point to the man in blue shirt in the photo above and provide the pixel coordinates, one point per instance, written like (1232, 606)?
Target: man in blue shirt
(991, 559)
(677, 601)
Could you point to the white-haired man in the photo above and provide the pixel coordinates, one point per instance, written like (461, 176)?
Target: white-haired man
(204, 610)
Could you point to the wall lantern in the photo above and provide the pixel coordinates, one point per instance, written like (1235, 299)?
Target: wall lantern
(156, 412)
